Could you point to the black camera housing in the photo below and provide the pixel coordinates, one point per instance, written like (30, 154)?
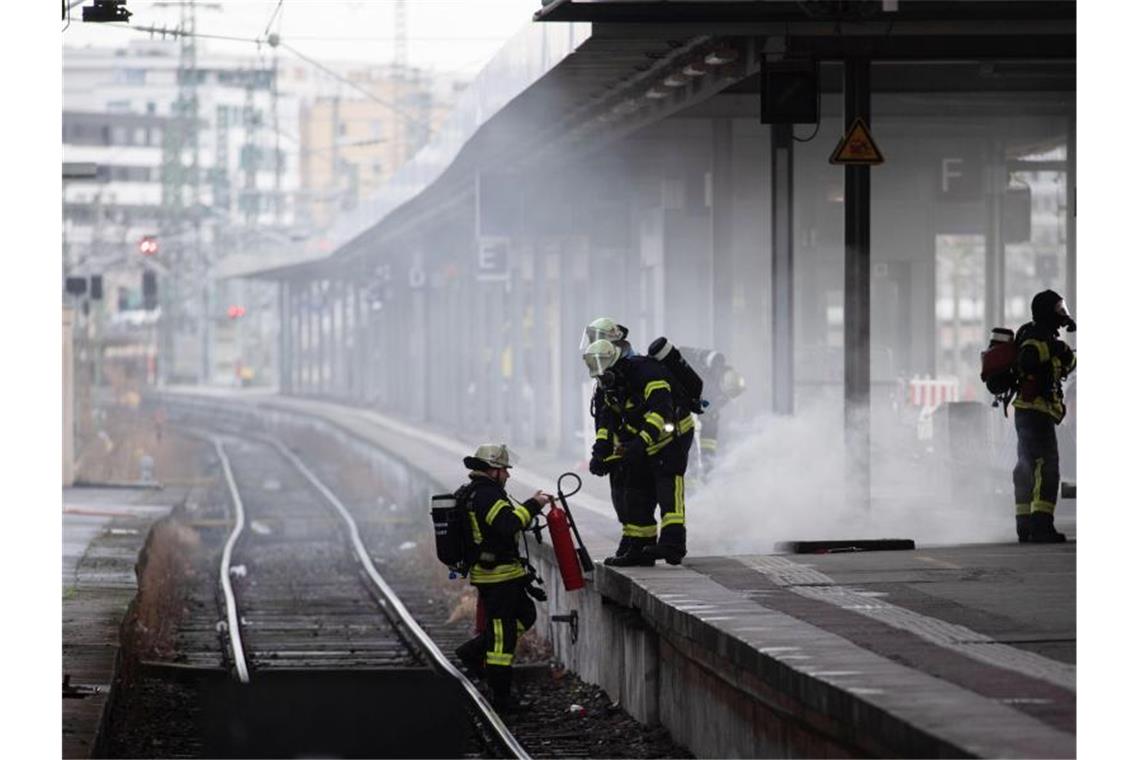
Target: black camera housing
(104, 11)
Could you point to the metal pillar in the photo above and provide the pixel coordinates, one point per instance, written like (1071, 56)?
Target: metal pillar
(359, 341)
(783, 285)
(1071, 220)
(857, 295)
(284, 381)
(295, 332)
(340, 333)
(318, 306)
(418, 334)
(997, 179)
(722, 197)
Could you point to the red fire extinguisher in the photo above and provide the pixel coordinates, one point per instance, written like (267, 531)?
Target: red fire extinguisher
(572, 561)
(559, 526)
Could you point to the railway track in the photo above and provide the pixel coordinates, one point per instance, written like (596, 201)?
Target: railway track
(302, 595)
(326, 656)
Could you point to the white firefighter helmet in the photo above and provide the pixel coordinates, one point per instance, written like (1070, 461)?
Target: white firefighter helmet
(600, 356)
(495, 455)
(602, 328)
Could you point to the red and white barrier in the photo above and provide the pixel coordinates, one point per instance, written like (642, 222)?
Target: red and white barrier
(931, 392)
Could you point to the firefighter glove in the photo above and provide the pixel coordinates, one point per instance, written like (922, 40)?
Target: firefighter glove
(598, 467)
(602, 449)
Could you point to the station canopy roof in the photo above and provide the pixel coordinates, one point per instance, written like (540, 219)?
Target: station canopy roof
(559, 90)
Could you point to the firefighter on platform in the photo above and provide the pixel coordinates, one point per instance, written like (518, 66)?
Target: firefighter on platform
(1043, 363)
(722, 383)
(499, 573)
(603, 460)
(642, 440)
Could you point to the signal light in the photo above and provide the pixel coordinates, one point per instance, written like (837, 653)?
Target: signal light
(148, 246)
(235, 312)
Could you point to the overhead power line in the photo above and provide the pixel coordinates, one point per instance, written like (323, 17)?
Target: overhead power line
(345, 80)
(164, 31)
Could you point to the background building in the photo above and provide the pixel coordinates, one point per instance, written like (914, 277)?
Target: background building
(215, 158)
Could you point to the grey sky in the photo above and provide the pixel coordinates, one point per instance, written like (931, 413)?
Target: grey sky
(444, 35)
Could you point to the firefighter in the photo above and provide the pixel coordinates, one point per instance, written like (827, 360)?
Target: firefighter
(500, 575)
(722, 383)
(1043, 363)
(644, 439)
(603, 460)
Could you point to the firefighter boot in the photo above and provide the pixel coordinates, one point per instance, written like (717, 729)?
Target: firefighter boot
(1022, 528)
(470, 653)
(622, 548)
(1041, 529)
(671, 553)
(636, 555)
(499, 678)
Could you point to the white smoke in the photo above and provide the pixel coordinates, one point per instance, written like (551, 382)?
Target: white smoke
(782, 479)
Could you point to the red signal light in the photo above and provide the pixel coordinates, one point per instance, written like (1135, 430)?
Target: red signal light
(148, 246)
(234, 312)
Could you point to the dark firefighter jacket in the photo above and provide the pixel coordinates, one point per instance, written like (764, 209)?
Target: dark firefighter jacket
(496, 520)
(639, 405)
(1043, 362)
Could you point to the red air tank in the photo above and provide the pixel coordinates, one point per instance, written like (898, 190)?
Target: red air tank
(568, 564)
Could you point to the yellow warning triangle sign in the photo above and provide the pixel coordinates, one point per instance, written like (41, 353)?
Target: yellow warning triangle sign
(857, 147)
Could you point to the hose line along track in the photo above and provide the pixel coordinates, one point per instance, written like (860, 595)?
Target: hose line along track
(272, 630)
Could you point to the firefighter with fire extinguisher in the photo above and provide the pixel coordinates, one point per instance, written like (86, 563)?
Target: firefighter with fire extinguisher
(642, 440)
(503, 580)
(1044, 361)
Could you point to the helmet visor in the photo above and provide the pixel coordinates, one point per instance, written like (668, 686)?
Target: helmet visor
(597, 365)
(600, 356)
(602, 329)
(1063, 315)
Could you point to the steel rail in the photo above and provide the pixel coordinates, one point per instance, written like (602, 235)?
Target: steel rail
(227, 587)
(392, 603)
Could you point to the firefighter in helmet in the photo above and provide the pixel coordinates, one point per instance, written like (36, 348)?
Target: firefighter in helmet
(722, 383)
(642, 440)
(500, 574)
(1044, 361)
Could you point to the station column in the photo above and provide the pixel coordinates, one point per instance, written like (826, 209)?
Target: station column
(857, 294)
(783, 284)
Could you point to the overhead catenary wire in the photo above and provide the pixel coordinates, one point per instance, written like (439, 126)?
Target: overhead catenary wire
(311, 61)
(272, 17)
(371, 96)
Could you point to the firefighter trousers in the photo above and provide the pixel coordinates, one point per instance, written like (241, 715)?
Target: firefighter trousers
(509, 612)
(657, 481)
(1037, 475)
